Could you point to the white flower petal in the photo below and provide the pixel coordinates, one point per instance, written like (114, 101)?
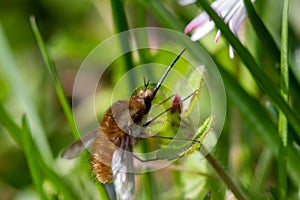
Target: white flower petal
(203, 30)
(231, 53)
(186, 2)
(218, 35)
(224, 6)
(237, 20)
(200, 20)
(216, 4)
(233, 12)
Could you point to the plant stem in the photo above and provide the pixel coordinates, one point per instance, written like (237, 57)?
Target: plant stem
(223, 175)
(10, 70)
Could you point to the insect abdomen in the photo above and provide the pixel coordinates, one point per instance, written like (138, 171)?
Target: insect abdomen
(101, 158)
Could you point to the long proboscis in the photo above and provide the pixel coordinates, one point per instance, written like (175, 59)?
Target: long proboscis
(166, 73)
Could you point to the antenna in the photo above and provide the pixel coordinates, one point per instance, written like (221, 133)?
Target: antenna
(166, 73)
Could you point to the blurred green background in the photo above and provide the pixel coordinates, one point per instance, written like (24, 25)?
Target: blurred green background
(71, 29)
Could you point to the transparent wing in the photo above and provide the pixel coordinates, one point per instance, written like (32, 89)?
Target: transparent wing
(122, 168)
(79, 146)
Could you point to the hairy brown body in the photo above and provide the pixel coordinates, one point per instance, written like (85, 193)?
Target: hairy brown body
(120, 121)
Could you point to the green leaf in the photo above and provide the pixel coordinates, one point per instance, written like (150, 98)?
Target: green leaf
(258, 118)
(272, 50)
(163, 15)
(53, 73)
(262, 32)
(33, 162)
(121, 25)
(181, 146)
(13, 129)
(284, 89)
(200, 136)
(18, 88)
(198, 82)
(64, 104)
(269, 45)
(33, 155)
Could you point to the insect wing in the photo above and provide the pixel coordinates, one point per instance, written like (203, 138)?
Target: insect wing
(79, 146)
(122, 168)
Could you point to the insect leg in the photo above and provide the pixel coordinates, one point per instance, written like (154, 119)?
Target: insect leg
(167, 99)
(168, 109)
(143, 160)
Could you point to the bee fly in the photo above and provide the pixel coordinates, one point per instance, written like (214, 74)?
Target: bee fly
(119, 131)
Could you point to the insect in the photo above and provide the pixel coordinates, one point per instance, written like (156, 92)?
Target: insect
(119, 130)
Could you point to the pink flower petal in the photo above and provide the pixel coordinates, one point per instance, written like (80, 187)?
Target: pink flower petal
(232, 11)
(197, 22)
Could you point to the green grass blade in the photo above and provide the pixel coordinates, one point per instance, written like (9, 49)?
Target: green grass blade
(13, 129)
(50, 65)
(269, 43)
(141, 21)
(120, 24)
(257, 117)
(61, 95)
(39, 169)
(120, 21)
(258, 74)
(262, 32)
(102, 191)
(163, 15)
(262, 169)
(284, 69)
(10, 71)
(60, 183)
(33, 163)
(272, 51)
(254, 113)
(284, 89)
